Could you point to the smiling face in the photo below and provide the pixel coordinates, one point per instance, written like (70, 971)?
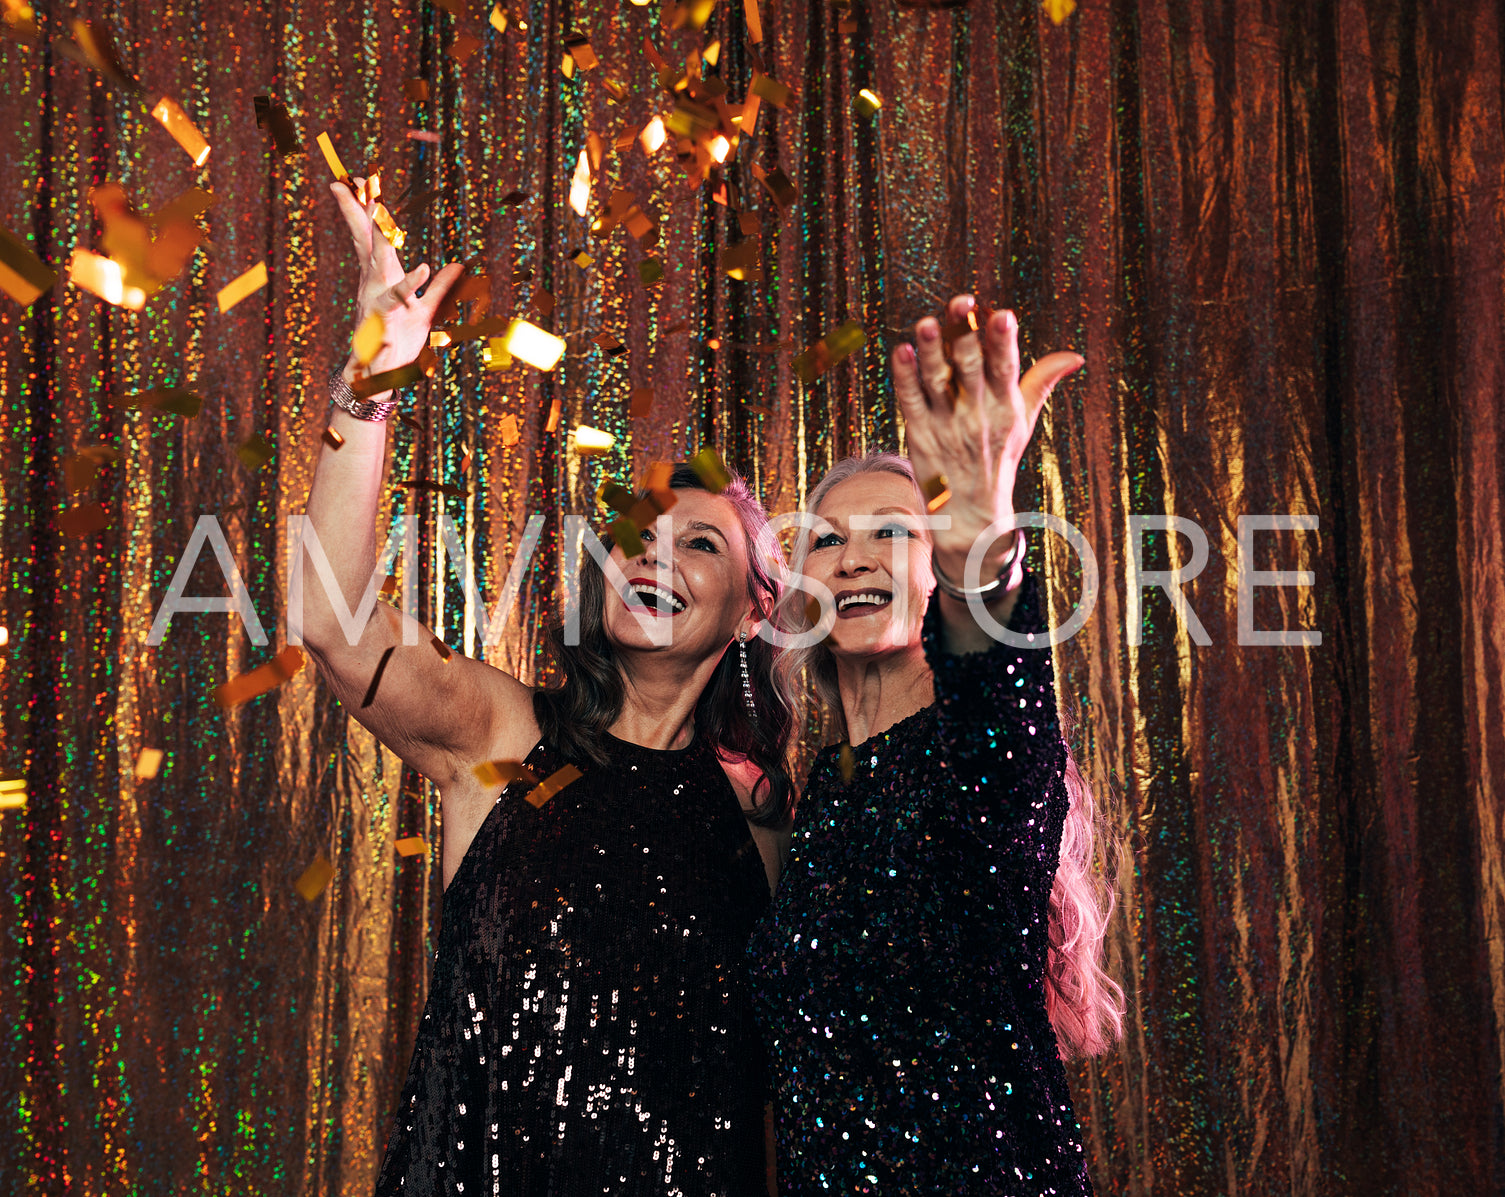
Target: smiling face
(866, 567)
(700, 587)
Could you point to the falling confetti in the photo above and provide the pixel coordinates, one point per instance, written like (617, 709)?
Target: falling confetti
(315, 879)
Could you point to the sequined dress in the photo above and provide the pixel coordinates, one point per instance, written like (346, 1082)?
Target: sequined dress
(899, 971)
(589, 1027)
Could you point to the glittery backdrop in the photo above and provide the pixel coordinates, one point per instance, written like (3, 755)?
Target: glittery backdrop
(1273, 230)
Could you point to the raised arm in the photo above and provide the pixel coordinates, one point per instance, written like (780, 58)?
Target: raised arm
(970, 421)
(440, 716)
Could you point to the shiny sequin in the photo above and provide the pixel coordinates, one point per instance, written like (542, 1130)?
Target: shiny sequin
(589, 1023)
(899, 971)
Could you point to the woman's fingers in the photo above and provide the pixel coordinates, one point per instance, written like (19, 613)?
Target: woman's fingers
(1001, 350)
(406, 287)
(355, 216)
(439, 288)
(935, 370)
(1042, 377)
(907, 387)
(966, 353)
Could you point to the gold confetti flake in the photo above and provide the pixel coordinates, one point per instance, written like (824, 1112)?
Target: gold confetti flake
(444, 650)
(315, 879)
(692, 14)
(582, 259)
(551, 785)
(742, 262)
(23, 275)
(586, 441)
(580, 50)
(184, 206)
(273, 117)
(464, 45)
(580, 184)
(754, 21)
(183, 131)
(551, 425)
(866, 102)
(529, 343)
(387, 380)
(20, 18)
(102, 277)
(415, 90)
(511, 435)
(836, 346)
(494, 355)
(650, 271)
(252, 281)
(778, 184)
(383, 221)
(177, 401)
(543, 302)
(711, 470)
(81, 468)
(263, 678)
(503, 773)
(498, 18)
(12, 789)
(337, 168)
(255, 451)
(83, 520)
(937, 492)
(368, 338)
(332, 438)
(657, 500)
(1058, 10)
(640, 402)
(411, 845)
(608, 344)
(848, 761)
(624, 534)
(614, 495)
(148, 762)
(766, 87)
(653, 135)
(691, 120)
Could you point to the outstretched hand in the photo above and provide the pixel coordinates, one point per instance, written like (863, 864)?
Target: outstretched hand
(970, 419)
(387, 289)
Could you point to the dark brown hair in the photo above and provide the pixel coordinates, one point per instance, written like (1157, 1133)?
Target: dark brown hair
(575, 715)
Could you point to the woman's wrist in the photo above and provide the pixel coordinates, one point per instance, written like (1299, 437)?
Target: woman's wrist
(999, 571)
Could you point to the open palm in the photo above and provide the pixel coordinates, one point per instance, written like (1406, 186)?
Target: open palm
(970, 419)
(385, 288)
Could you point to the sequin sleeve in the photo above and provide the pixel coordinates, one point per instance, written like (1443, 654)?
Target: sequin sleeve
(997, 720)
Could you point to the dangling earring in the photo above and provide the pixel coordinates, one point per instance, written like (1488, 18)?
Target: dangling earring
(747, 690)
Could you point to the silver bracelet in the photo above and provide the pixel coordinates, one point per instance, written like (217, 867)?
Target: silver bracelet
(1016, 556)
(362, 409)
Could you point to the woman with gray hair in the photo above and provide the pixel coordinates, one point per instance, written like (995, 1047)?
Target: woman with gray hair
(934, 949)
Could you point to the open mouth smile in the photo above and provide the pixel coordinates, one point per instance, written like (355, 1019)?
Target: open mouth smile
(857, 603)
(651, 597)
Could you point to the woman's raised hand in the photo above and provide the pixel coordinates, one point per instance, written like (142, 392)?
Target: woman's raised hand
(970, 419)
(387, 289)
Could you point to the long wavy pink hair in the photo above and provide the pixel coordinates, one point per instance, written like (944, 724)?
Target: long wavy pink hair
(1085, 1005)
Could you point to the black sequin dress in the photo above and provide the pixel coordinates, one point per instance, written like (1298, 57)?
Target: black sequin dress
(589, 1026)
(899, 972)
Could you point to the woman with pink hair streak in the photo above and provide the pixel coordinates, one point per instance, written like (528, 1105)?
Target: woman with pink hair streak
(934, 950)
